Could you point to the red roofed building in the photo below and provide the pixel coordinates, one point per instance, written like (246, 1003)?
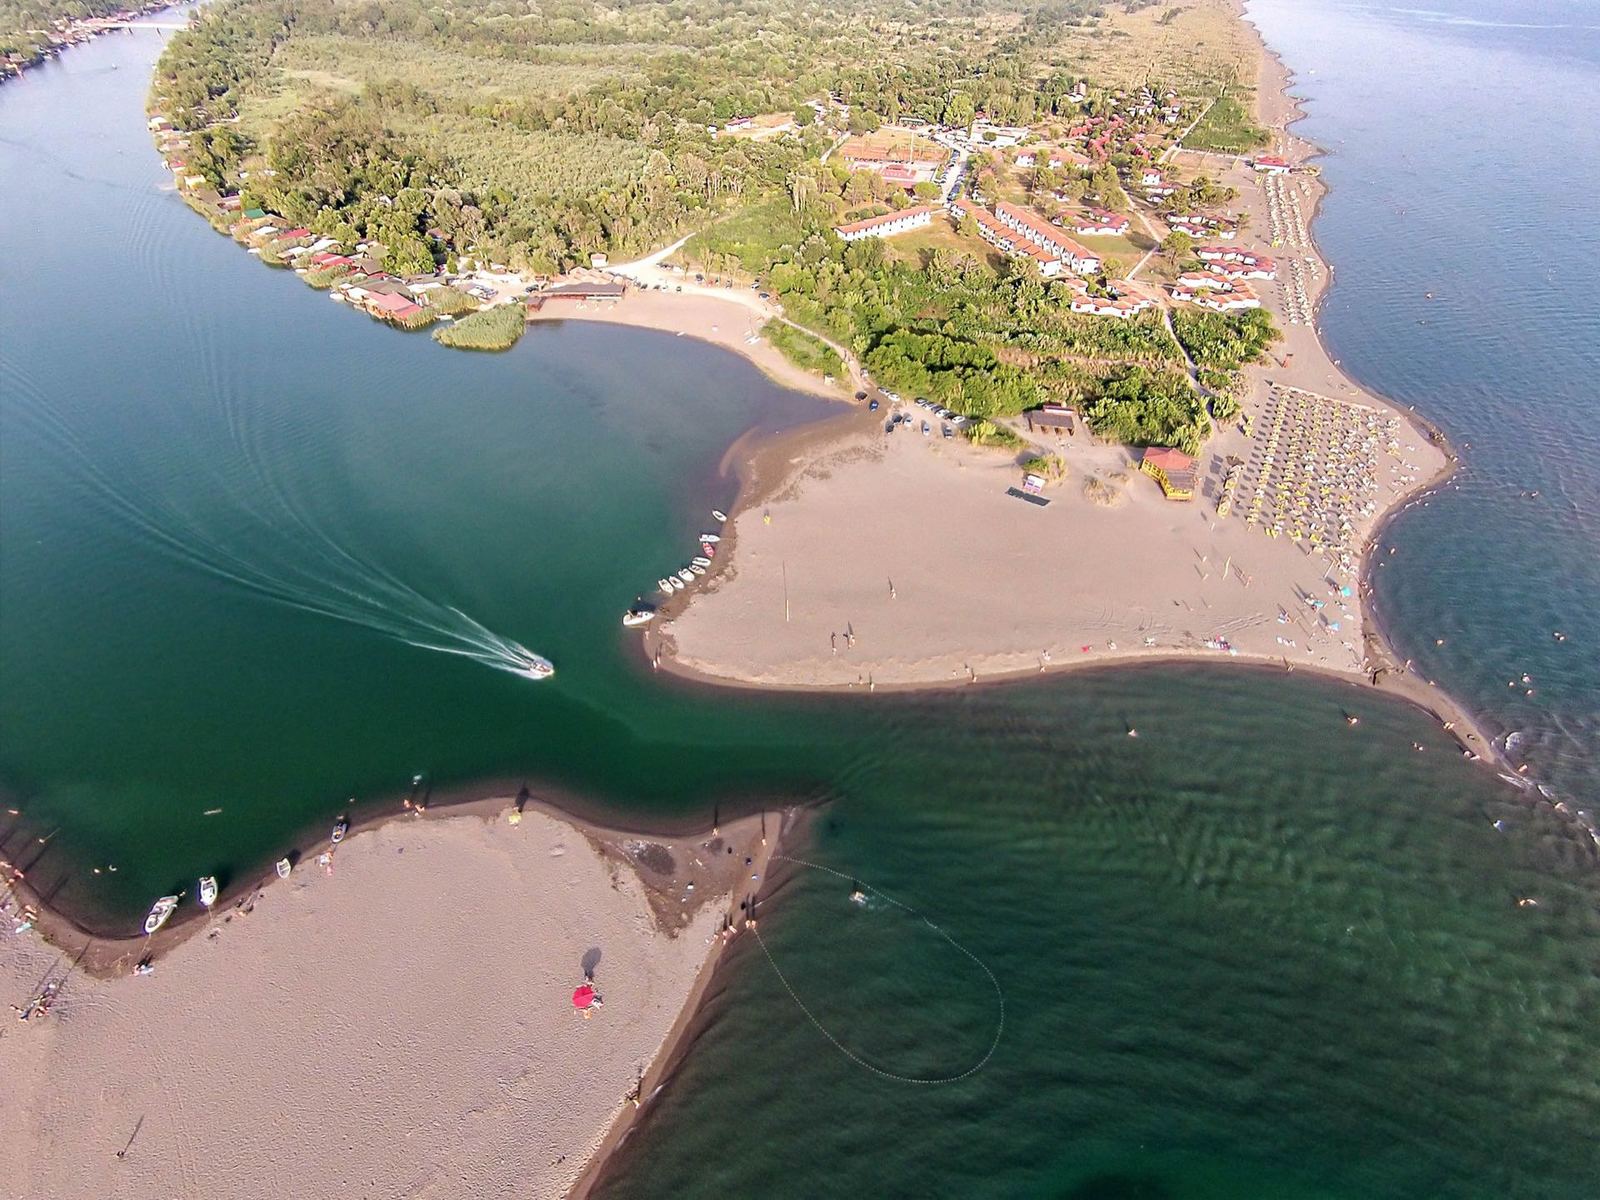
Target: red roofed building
(1270, 164)
(390, 305)
(1046, 236)
(1172, 469)
(887, 225)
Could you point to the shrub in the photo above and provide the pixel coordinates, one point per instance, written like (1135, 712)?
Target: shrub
(1051, 467)
(988, 433)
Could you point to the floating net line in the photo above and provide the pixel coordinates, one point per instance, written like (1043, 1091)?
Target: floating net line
(1000, 996)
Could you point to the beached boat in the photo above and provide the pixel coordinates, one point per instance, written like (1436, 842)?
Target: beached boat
(700, 560)
(719, 515)
(159, 912)
(284, 867)
(638, 616)
(697, 568)
(686, 575)
(208, 890)
(340, 828)
(664, 585)
(710, 537)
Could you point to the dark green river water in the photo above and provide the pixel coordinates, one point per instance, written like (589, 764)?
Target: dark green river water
(258, 554)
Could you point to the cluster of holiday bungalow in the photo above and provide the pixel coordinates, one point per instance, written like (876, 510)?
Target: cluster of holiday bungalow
(1021, 233)
(1222, 282)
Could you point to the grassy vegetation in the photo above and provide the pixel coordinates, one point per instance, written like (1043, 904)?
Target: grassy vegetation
(802, 349)
(991, 433)
(1227, 127)
(1193, 44)
(495, 328)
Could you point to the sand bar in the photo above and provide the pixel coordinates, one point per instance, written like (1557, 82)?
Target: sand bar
(400, 1026)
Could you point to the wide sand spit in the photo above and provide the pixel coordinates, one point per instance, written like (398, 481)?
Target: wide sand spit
(402, 1025)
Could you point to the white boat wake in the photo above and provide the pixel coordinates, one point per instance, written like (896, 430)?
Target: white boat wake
(272, 547)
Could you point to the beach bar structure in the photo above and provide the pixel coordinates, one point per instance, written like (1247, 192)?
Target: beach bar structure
(1172, 469)
(578, 290)
(1052, 419)
(887, 225)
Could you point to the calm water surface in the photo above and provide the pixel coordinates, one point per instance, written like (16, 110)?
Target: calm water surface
(260, 555)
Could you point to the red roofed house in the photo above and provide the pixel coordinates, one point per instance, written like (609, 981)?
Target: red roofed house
(1099, 223)
(1127, 304)
(1270, 164)
(906, 177)
(390, 305)
(887, 225)
(1172, 469)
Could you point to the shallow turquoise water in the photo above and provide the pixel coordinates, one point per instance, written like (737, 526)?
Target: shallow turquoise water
(1253, 952)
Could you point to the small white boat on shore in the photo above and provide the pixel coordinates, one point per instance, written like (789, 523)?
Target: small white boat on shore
(284, 867)
(340, 828)
(208, 890)
(159, 912)
(635, 617)
(664, 586)
(697, 568)
(686, 575)
(713, 538)
(700, 560)
(720, 516)
(675, 583)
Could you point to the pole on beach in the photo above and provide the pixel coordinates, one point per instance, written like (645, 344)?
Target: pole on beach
(785, 567)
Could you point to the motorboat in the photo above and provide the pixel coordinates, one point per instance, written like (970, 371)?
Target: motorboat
(664, 586)
(208, 890)
(686, 575)
(713, 538)
(284, 867)
(159, 912)
(340, 828)
(536, 667)
(675, 583)
(720, 516)
(697, 568)
(638, 616)
(700, 560)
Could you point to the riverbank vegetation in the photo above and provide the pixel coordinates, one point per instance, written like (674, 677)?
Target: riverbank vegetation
(495, 328)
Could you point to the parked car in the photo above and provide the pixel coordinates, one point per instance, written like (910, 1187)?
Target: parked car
(872, 406)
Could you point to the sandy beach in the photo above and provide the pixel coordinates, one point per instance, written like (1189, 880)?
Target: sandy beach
(402, 1025)
(866, 560)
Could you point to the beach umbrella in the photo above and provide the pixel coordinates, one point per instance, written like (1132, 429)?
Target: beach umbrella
(582, 996)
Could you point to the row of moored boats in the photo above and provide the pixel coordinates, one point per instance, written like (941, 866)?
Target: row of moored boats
(206, 890)
(683, 578)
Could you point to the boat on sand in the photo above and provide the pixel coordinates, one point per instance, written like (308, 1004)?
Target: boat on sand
(208, 890)
(159, 912)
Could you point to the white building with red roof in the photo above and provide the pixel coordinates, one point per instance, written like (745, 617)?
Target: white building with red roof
(887, 225)
(1035, 229)
(1097, 222)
